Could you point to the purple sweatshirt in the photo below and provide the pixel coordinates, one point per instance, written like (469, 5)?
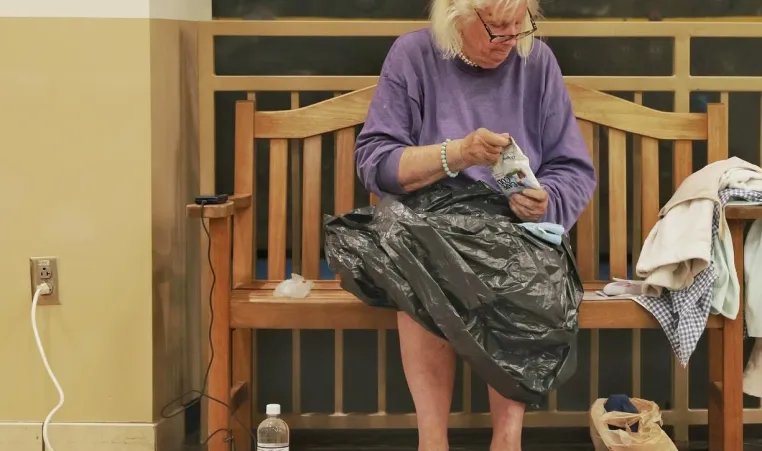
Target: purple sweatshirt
(422, 99)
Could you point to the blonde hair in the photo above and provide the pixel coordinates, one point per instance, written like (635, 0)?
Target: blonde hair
(445, 15)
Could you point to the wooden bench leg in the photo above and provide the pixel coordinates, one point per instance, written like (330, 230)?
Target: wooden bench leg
(219, 374)
(716, 405)
(242, 372)
(726, 369)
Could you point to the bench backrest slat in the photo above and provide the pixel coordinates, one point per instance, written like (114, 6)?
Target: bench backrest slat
(311, 195)
(344, 167)
(344, 186)
(596, 112)
(588, 243)
(617, 203)
(682, 161)
(649, 179)
(278, 202)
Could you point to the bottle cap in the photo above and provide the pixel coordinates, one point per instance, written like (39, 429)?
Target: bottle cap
(273, 409)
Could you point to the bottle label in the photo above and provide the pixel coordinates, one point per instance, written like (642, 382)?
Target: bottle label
(272, 448)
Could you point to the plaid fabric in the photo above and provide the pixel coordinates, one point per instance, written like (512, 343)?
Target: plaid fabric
(683, 314)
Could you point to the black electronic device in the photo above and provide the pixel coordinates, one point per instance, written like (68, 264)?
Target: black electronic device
(212, 199)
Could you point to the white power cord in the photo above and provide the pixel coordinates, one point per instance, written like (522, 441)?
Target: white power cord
(42, 289)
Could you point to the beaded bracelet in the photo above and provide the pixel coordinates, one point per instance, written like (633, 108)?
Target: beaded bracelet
(444, 160)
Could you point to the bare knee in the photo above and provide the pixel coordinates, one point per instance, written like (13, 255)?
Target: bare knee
(411, 331)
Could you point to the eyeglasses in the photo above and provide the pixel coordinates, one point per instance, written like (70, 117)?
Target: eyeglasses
(507, 37)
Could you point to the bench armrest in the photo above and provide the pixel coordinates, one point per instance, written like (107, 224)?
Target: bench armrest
(235, 202)
(743, 212)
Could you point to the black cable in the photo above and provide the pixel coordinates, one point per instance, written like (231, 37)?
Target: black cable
(202, 394)
(228, 438)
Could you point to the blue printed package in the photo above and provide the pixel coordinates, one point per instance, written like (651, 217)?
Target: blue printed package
(512, 171)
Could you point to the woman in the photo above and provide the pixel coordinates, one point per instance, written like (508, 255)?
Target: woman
(447, 100)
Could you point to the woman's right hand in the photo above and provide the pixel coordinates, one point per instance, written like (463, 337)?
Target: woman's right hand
(482, 147)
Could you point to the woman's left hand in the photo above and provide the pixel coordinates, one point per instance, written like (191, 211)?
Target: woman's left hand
(529, 205)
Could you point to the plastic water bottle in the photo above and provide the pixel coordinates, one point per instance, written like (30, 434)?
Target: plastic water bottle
(273, 432)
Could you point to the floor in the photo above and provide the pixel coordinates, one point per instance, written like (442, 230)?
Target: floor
(699, 447)
(479, 443)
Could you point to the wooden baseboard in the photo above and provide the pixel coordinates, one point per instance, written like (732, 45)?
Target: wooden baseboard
(167, 435)
(21, 436)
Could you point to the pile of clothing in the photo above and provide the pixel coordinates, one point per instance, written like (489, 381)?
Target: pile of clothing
(687, 260)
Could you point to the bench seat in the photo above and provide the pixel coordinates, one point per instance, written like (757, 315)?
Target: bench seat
(330, 307)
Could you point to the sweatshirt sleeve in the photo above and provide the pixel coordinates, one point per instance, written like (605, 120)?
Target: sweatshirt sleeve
(392, 124)
(567, 171)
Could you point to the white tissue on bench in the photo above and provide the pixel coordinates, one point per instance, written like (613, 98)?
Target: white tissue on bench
(295, 287)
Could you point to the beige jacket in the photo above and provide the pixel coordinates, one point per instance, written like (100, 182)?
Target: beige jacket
(679, 246)
(706, 183)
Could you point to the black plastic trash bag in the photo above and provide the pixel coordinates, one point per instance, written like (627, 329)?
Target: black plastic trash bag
(456, 262)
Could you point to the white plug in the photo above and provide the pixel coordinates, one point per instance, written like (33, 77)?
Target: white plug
(45, 288)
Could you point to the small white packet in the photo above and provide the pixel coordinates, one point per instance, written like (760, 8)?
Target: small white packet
(512, 171)
(295, 287)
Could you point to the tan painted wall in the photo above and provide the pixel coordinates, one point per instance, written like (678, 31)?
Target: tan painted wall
(174, 166)
(97, 124)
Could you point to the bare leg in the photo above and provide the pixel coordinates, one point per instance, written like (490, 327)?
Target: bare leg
(429, 364)
(507, 421)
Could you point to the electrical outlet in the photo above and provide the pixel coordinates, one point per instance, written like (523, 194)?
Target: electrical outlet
(45, 270)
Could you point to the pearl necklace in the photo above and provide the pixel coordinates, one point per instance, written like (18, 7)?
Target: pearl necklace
(466, 60)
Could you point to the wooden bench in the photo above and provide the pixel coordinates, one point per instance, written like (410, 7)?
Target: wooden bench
(242, 303)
